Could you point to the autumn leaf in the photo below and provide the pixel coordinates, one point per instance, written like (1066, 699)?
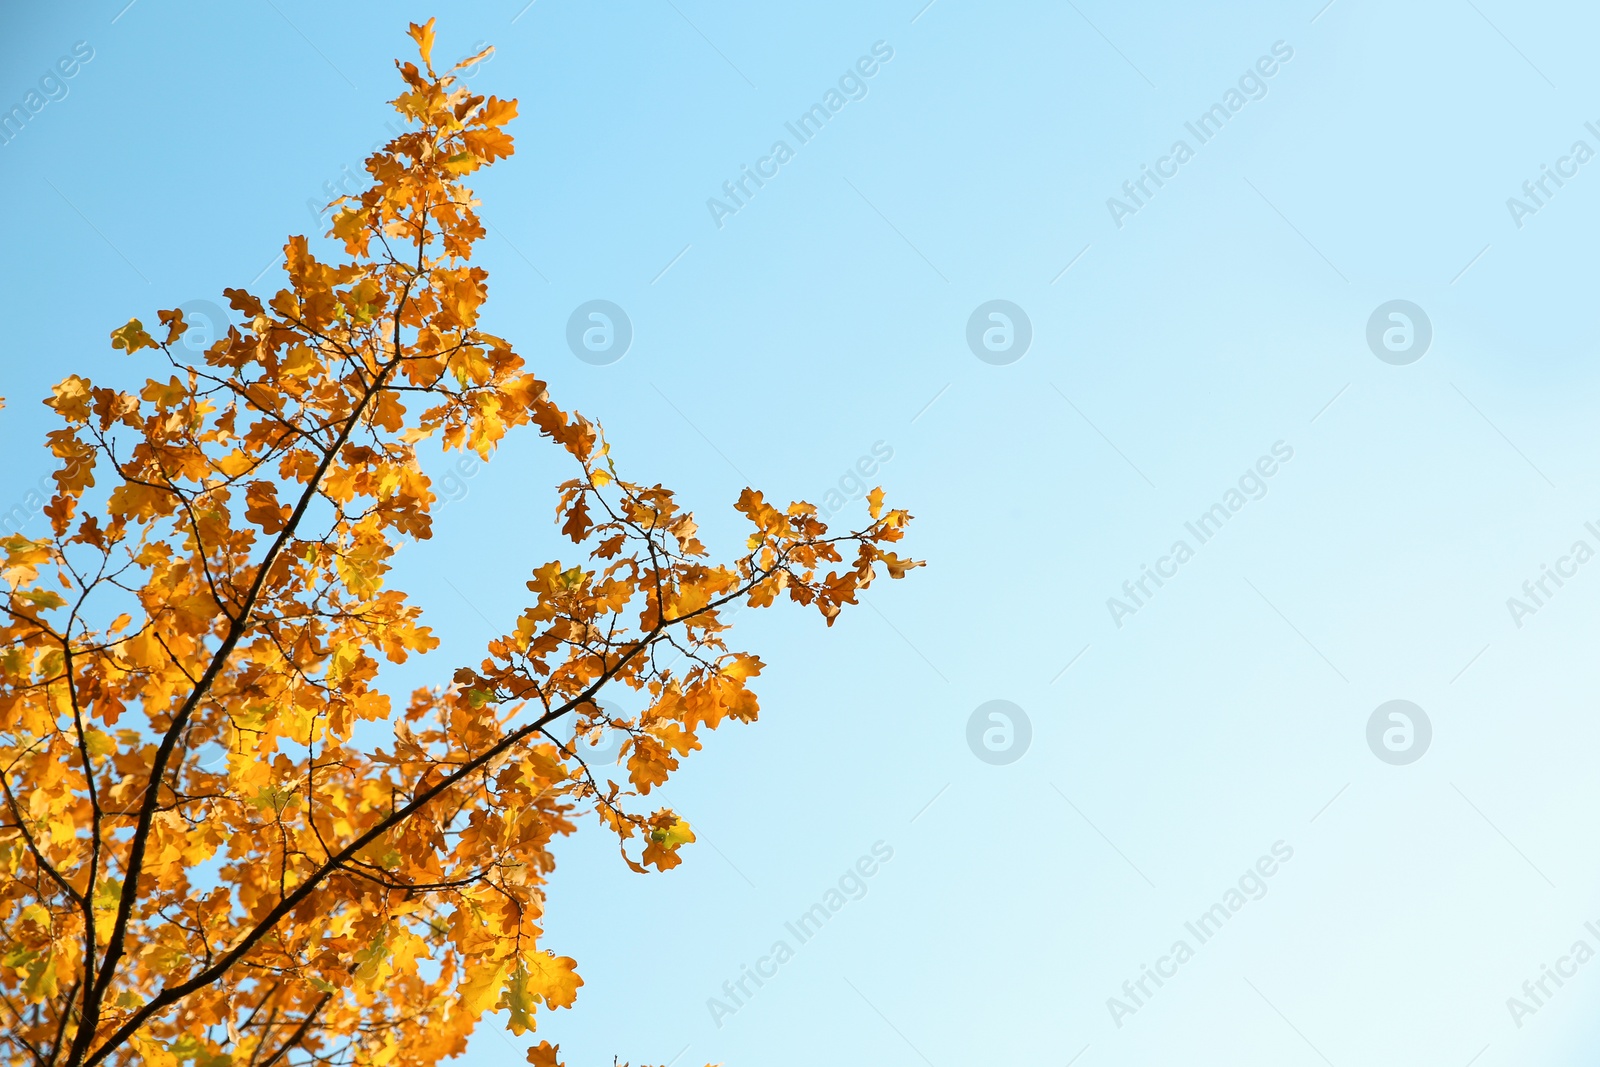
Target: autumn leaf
(544, 1054)
(518, 1003)
(497, 112)
(481, 988)
(553, 979)
(131, 337)
(423, 35)
(476, 57)
(264, 509)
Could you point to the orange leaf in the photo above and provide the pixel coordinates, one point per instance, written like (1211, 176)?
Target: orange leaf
(544, 1054)
(423, 35)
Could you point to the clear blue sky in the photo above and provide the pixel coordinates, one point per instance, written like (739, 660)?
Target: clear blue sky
(1177, 337)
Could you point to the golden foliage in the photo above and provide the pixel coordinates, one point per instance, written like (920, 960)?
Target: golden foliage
(201, 861)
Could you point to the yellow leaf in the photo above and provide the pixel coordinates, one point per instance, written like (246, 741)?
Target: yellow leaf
(62, 829)
(71, 398)
(674, 834)
(154, 1053)
(132, 337)
(480, 986)
(554, 979)
(301, 361)
(235, 463)
(423, 35)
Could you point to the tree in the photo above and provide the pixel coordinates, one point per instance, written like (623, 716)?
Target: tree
(214, 583)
